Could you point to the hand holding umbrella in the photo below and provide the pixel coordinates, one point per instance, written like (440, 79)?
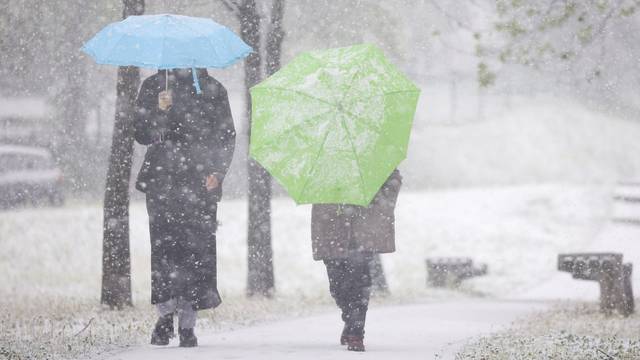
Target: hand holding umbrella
(165, 100)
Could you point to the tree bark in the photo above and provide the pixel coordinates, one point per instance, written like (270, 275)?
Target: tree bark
(275, 37)
(116, 261)
(260, 278)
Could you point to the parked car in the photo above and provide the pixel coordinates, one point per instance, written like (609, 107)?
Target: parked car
(28, 175)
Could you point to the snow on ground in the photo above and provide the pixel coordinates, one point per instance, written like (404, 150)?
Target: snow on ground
(614, 237)
(569, 330)
(575, 329)
(50, 262)
(421, 331)
(517, 231)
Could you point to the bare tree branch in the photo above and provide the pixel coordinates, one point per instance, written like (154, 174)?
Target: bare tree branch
(461, 24)
(232, 6)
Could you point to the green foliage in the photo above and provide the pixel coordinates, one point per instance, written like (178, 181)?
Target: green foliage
(555, 21)
(545, 32)
(502, 7)
(505, 55)
(567, 55)
(511, 27)
(486, 77)
(628, 11)
(585, 35)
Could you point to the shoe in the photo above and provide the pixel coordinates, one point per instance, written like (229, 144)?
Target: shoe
(163, 330)
(187, 338)
(343, 336)
(354, 343)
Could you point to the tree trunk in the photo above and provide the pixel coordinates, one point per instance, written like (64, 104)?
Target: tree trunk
(275, 37)
(260, 279)
(116, 262)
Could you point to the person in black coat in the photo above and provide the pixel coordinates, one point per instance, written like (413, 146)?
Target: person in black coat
(190, 140)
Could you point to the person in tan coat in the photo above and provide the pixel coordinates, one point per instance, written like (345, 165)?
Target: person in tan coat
(346, 237)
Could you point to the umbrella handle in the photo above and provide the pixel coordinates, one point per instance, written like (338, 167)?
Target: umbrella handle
(196, 82)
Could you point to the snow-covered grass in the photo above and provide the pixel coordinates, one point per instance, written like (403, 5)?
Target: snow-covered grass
(569, 331)
(50, 263)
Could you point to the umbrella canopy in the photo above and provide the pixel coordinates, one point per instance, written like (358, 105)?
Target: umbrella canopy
(166, 42)
(332, 125)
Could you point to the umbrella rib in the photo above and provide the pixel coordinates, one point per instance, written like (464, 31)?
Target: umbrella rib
(300, 93)
(355, 154)
(315, 162)
(356, 117)
(229, 48)
(206, 38)
(351, 83)
(368, 125)
(296, 126)
(115, 44)
(389, 93)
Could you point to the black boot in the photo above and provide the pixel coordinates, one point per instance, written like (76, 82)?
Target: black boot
(355, 343)
(353, 331)
(163, 330)
(187, 338)
(343, 336)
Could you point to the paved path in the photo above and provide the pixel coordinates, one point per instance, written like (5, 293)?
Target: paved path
(423, 331)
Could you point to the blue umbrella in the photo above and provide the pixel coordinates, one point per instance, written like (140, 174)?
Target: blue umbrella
(167, 42)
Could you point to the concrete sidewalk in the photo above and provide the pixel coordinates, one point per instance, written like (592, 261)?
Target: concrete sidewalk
(423, 331)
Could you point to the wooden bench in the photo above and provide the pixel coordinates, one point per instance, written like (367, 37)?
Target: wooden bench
(452, 271)
(610, 272)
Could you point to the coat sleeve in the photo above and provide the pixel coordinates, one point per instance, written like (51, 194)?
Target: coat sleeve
(221, 139)
(387, 196)
(150, 123)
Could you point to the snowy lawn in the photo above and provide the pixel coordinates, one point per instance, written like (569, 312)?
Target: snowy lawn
(51, 258)
(568, 331)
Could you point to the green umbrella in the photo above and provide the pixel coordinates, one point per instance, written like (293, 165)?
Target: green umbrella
(332, 125)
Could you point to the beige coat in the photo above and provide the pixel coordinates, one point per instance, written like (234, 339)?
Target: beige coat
(337, 229)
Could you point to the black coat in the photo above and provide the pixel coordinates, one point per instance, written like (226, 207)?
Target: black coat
(195, 138)
(192, 140)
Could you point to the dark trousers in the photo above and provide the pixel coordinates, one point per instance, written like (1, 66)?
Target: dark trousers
(350, 287)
